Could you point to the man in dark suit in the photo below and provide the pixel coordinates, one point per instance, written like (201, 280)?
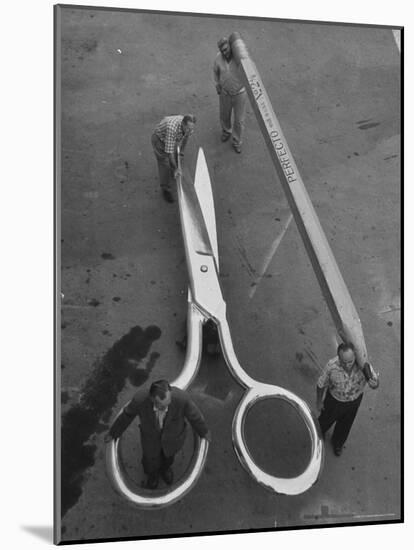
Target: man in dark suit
(163, 413)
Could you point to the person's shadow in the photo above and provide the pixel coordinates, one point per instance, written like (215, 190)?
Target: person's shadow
(40, 531)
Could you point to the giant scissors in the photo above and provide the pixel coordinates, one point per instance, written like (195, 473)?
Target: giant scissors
(206, 301)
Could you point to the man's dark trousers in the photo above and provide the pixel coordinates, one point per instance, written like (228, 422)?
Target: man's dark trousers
(343, 413)
(153, 465)
(164, 169)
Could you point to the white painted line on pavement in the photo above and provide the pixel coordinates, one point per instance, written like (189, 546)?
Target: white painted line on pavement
(68, 306)
(269, 256)
(374, 515)
(397, 38)
(335, 340)
(392, 310)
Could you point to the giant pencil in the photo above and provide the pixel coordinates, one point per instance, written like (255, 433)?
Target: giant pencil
(332, 284)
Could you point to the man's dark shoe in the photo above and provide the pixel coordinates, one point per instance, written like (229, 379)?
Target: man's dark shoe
(338, 451)
(225, 136)
(167, 195)
(167, 475)
(237, 147)
(152, 482)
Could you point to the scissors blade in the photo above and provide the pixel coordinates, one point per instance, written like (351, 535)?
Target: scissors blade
(202, 184)
(198, 223)
(193, 225)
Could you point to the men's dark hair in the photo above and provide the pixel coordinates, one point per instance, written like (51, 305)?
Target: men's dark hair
(159, 389)
(345, 346)
(222, 41)
(189, 118)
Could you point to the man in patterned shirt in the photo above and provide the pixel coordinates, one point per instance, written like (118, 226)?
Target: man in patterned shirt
(171, 132)
(232, 94)
(339, 393)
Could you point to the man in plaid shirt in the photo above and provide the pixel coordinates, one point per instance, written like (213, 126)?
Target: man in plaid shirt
(171, 132)
(339, 393)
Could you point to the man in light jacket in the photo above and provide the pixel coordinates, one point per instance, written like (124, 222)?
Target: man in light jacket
(232, 95)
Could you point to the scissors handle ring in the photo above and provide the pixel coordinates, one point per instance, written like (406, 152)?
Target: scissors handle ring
(195, 320)
(155, 499)
(257, 391)
(286, 486)
(146, 499)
